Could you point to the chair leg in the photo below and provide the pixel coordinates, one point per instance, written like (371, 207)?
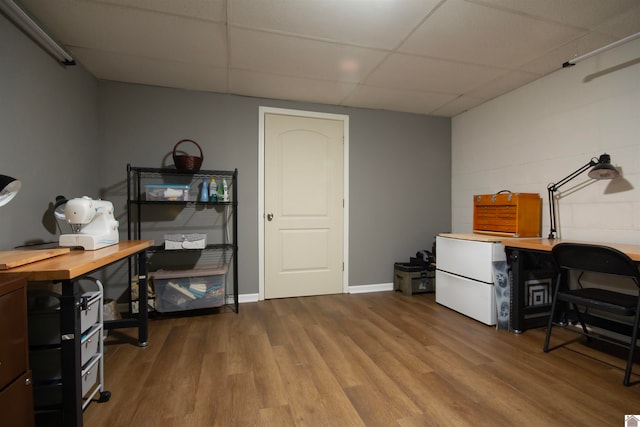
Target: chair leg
(547, 337)
(632, 349)
(585, 331)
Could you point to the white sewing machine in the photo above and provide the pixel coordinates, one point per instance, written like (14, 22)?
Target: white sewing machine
(92, 223)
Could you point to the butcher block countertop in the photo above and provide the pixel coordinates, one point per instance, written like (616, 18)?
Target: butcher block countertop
(476, 237)
(542, 244)
(15, 258)
(76, 263)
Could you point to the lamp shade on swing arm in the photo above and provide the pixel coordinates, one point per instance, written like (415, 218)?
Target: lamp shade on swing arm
(601, 168)
(9, 187)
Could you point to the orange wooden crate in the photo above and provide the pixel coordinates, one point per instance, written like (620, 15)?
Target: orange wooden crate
(507, 214)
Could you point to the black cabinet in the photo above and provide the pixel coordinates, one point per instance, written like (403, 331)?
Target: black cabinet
(532, 278)
(193, 235)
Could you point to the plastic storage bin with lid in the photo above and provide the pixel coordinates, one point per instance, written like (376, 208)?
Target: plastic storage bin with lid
(180, 290)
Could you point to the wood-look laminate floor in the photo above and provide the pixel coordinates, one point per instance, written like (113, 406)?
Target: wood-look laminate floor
(378, 359)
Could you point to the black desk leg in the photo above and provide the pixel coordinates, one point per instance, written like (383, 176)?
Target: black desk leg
(70, 355)
(515, 267)
(143, 311)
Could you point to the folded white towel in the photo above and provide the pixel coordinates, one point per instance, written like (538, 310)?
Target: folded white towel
(198, 287)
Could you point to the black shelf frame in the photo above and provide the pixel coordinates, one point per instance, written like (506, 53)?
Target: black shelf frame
(135, 177)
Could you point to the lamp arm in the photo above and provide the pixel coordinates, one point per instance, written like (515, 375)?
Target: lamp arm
(553, 187)
(552, 212)
(572, 175)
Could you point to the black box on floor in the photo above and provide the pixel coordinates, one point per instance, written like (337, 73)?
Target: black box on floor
(413, 279)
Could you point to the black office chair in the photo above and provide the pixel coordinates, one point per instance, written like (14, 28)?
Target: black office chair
(598, 259)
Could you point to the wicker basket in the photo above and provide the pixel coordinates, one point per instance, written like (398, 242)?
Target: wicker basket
(185, 162)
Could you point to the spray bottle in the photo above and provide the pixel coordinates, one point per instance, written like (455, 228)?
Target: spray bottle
(213, 190)
(204, 194)
(225, 191)
(221, 191)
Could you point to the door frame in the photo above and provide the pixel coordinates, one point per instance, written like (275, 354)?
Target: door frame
(262, 111)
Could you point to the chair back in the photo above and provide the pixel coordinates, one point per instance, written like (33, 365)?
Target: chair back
(595, 258)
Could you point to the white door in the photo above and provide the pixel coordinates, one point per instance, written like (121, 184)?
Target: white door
(303, 206)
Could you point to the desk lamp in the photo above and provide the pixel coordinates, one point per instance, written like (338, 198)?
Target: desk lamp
(9, 187)
(601, 169)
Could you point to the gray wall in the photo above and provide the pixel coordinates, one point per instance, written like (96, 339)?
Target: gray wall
(400, 167)
(48, 129)
(65, 133)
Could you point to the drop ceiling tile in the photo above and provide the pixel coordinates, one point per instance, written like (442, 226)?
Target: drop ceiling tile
(457, 106)
(372, 23)
(503, 84)
(458, 53)
(154, 72)
(431, 75)
(266, 85)
(397, 100)
(297, 57)
(476, 34)
(578, 13)
(133, 31)
(210, 10)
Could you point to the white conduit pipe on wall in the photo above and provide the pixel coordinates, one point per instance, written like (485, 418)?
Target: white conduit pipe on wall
(572, 62)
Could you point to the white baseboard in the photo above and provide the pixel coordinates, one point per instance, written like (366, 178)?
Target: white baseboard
(242, 298)
(380, 287)
(245, 298)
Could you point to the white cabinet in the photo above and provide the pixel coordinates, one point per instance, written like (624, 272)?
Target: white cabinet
(464, 274)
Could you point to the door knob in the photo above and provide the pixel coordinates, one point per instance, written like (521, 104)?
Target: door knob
(269, 216)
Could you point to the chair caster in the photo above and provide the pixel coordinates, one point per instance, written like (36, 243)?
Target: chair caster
(104, 396)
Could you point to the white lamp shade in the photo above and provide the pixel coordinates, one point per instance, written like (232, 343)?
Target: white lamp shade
(9, 187)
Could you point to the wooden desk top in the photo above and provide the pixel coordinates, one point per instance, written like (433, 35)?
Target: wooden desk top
(475, 237)
(16, 258)
(543, 244)
(79, 262)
